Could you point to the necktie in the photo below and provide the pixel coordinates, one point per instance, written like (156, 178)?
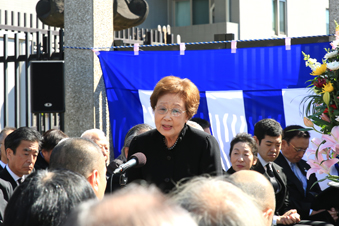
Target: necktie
(272, 178)
(19, 180)
(302, 179)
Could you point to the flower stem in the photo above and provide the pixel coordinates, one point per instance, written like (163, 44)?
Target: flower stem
(316, 130)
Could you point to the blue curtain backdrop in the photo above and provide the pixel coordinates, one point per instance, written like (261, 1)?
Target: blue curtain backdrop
(260, 74)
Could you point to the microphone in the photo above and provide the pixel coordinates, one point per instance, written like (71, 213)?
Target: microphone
(136, 160)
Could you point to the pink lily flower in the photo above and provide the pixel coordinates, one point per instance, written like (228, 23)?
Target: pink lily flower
(315, 142)
(325, 117)
(332, 140)
(319, 165)
(310, 151)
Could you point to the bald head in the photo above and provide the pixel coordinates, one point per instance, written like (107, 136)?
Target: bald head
(76, 154)
(258, 187)
(82, 156)
(214, 201)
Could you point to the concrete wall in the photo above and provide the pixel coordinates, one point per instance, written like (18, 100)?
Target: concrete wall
(255, 19)
(304, 18)
(307, 17)
(334, 14)
(86, 103)
(204, 32)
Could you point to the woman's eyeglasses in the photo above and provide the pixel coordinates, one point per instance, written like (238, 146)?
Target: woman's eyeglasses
(174, 111)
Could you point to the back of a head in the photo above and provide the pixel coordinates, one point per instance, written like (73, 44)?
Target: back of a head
(93, 133)
(202, 122)
(51, 138)
(78, 155)
(137, 130)
(256, 185)
(269, 127)
(14, 139)
(194, 125)
(130, 206)
(133, 132)
(214, 202)
(46, 198)
(5, 130)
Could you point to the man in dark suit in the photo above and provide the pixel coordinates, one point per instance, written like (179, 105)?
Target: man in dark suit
(268, 136)
(22, 148)
(3, 134)
(6, 192)
(301, 195)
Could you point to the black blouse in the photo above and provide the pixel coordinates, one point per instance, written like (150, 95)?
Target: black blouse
(195, 153)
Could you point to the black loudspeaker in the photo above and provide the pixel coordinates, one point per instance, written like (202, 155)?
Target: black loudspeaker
(47, 86)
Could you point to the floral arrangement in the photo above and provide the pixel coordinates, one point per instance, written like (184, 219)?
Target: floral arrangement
(322, 109)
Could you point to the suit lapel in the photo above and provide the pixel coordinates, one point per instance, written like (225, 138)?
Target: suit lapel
(303, 166)
(290, 174)
(9, 178)
(259, 168)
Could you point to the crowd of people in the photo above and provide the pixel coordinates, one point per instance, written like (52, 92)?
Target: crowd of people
(59, 180)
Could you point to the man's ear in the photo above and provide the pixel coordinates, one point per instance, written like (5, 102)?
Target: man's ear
(256, 140)
(126, 151)
(9, 153)
(44, 152)
(268, 213)
(284, 144)
(93, 179)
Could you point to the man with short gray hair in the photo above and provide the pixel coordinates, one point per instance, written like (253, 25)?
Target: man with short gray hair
(135, 205)
(99, 137)
(214, 201)
(3, 134)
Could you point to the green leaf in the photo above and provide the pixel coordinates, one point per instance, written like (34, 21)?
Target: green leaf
(317, 182)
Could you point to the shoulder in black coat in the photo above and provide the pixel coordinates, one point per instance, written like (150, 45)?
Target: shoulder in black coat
(281, 197)
(196, 153)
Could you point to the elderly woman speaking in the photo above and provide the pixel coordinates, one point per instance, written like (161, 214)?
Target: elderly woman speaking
(174, 151)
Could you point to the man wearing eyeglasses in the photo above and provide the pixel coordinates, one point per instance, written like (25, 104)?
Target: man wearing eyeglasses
(294, 145)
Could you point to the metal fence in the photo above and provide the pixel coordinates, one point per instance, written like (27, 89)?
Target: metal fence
(142, 36)
(23, 38)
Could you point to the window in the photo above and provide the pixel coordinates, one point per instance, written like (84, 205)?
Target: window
(192, 12)
(182, 13)
(327, 22)
(200, 12)
(274, 14)
(282, 16)
(279, 16)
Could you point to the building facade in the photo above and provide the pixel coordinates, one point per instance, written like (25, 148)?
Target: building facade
(199, 20)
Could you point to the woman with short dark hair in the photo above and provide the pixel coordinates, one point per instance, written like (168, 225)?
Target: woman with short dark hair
(243, 153)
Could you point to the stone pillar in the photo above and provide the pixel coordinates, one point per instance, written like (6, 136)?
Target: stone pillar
(334, 14)
(88, 23)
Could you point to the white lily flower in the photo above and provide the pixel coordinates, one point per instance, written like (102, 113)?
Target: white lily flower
(337, 118)
(333, 65)
(331, 54)
(315, 66)
(312, 60)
